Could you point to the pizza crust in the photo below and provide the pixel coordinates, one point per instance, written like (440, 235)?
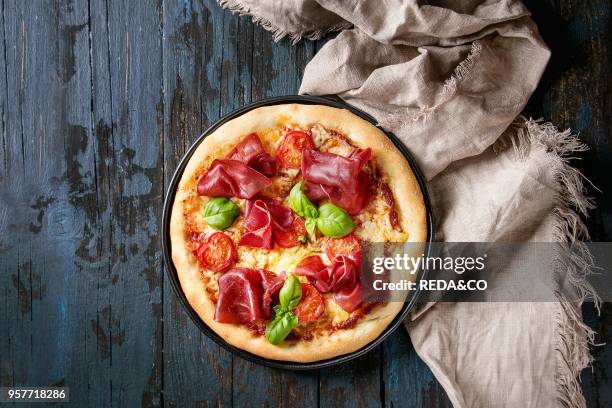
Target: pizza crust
(403, 184)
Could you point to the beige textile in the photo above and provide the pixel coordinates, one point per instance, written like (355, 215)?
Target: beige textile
(450, 79)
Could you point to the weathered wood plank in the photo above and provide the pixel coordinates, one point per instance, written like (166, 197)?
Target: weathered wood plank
(6, 375)
(3, 94)
(407, 380)
(127, 95)
(356, 383)
(197, 371)
(278, 67)
(16, 301)
(49, 158)
(82, 287)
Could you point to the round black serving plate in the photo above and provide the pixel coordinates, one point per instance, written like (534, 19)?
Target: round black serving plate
(171, 270)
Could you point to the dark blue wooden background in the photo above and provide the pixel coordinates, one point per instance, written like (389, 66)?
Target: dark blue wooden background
(99, 100)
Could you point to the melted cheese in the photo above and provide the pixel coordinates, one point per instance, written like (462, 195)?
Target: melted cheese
(325, 141)
(276, 260)
(375, 225)
(334, 312)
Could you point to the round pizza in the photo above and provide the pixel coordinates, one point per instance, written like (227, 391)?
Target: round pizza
(269, 224)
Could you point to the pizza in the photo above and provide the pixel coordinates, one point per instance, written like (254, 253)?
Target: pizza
(269, 224)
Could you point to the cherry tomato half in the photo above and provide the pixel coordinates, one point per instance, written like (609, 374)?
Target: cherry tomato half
(217, 252)
(291, 238)
(348, 245)
(289, 153)
(311, 306)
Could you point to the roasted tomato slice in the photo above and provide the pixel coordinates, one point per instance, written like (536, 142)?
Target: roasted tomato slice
(217, 252)
(289, 153)
(348, 246)
(292, 237)
(311, 306)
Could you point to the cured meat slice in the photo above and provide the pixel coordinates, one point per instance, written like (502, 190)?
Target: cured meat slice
(349, 299)
(250, 151)
(317, 273)
(343, 272)
(282, 217)
(341, 278)
(339, 178)
(265, 217)
(240, 295)
(258, 223)
(246, 295)
(231, 178)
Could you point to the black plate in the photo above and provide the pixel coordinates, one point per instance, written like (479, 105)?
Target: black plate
(305, 100)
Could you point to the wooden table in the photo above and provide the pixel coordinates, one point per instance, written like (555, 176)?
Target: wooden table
(98, 102)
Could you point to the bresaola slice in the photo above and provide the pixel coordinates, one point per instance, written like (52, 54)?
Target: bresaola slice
(262, 218)
(240, 295)
(349, 299)
(317, 273)
(246, 295)
(339, 178)
(344, 273)
(271, 284)
(282, 217)
(264, 163)
(243, 173)
(341, 278)
(249, 148)
(258, 225)
(314, 191)
(231, 178)
(250, 151)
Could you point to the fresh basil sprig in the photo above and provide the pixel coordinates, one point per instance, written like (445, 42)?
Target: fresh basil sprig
(300, 203)
(333, 221)
(330, 219)
(220, 212)
(280, 327)
(285, 320)
(291, 293)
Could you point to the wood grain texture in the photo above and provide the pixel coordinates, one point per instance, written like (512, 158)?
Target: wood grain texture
(99, 100)
(406, 379)
(196, 370)
(83, 262)
(52, 202)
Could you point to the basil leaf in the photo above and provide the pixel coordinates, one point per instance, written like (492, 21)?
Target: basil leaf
(291, 293)
(333, 221)
(220, 212)
(300, 203)
(280, 327)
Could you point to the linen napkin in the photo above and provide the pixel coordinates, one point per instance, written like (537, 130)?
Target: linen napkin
(450, 78)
